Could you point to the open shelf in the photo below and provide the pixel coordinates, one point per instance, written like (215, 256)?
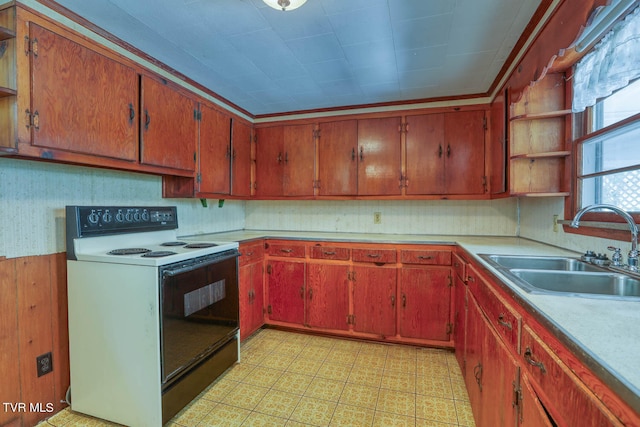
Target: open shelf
(558, 194)
(5, 91)
(536, 116)
(548, 154)
(6, 34)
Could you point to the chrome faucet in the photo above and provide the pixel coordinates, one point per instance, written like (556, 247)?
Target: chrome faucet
(633, 253)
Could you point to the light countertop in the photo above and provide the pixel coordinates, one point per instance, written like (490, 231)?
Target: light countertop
(603, 333)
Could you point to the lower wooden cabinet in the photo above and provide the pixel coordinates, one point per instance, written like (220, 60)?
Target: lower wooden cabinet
(327, 296)
(374, 300)
(251, 287)
(425, 303)
(286, 286)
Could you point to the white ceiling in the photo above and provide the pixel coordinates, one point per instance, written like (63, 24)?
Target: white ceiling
(327, 53)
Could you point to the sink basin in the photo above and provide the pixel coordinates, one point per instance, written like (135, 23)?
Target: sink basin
(611, 284)
(564, 276)
(542, 263)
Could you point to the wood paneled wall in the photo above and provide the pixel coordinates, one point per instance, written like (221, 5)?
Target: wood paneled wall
(33, 321)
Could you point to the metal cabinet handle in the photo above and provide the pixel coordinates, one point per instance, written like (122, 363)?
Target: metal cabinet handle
(361, 154)
(374, 255)
(404, 300)
(328, 253)
(528, 356)
(302, 292)
(353, 154)
(310, 293)
(279, 158)
(504, 323)
(439, 150)
(286, 157)
(471, 279)
(425, 257)
(132, 114)
(286, 251)
(477, 373)
(448, 150)
(393, 300)
(147, 119)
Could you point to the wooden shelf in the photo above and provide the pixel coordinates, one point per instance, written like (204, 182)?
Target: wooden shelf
(549, 154)
(546, 115)
(5, 91)
(6, 34)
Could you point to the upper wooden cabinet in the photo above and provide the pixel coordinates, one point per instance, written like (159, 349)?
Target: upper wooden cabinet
(240, 158)
(285, 160)
(379, 157)
(445, 153)
(338, 158)
(497, 150)
(214, 148)
(169, 126)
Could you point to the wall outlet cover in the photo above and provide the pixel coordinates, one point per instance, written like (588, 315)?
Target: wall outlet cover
(44, 364)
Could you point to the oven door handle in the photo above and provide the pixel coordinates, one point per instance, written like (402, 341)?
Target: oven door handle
(170, 272)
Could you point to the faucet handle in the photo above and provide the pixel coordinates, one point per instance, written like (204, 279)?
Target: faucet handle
(616, 258)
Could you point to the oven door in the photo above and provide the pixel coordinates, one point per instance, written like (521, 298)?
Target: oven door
(200, 310)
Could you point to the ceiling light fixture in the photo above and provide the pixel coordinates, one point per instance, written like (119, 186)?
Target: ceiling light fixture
(285, 5)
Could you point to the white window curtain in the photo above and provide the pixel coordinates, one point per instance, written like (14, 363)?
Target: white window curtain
(611, 65)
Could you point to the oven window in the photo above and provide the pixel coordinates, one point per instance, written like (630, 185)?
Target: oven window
(200, 311)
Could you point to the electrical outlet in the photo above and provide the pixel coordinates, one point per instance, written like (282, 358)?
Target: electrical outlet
(377, 218)
(555, 223)
(44, 364)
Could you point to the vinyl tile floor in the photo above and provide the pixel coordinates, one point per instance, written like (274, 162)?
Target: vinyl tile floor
(291, 379)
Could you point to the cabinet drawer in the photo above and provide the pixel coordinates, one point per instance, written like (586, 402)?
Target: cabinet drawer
(568, 399)
(383, 256)
(250, 252)
(330, 252)
(283, 249)
(504, 319)
(412, 256)
(459, 266)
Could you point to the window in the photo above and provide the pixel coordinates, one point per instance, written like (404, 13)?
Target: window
(607, 87)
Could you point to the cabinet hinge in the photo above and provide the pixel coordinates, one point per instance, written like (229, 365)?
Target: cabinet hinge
(404, 181)
(33, 119)
(484, 183)
(30, 46)
(450, 284)
(197, 115)
(484, 123)
(316, 183)
(269, 309)
(316, 133)
(269, 269)
(403, 128)
(199, 178)
(351, 319)
(351, 276)
(449, 328)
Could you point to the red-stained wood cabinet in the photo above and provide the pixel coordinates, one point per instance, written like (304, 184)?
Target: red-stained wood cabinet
(374, 299)
(69, 110)
(327, 294)
(379, 156)
(338, 158)
(241, 158)
(285, 161)
(285, 283)
(445, 153)
(425, 303)
(214, 151)
(169, 126)
(251, 288)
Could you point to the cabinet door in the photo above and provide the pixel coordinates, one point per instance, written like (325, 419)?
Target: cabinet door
(327, 296)
(497, 145)
(474, 373)
(464, 152)
(379, 155)
(244, 290)
(299, 160)
(286, 287)
(500, 376)
(374, 300)
(241, 159)
(532, 413)
(425, 154)
(460, 321)
(338, 158)
(169, 127)
(425, 294)
(257, 298)
(214, 172)
(269, 161)
(85, 102)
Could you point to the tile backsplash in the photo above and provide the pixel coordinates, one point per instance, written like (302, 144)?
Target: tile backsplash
(478, 217)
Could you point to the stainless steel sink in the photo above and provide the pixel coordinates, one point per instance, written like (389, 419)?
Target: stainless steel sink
(581, 282)
(564, 276)
(542, 263)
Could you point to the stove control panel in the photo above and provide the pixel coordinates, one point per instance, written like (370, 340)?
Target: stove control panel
(84, 221)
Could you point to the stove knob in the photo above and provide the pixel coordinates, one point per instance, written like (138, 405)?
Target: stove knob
(107, 217)
(93, 218)
(145, 216)
(136, 216)
(119, 216)
(129, 216)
